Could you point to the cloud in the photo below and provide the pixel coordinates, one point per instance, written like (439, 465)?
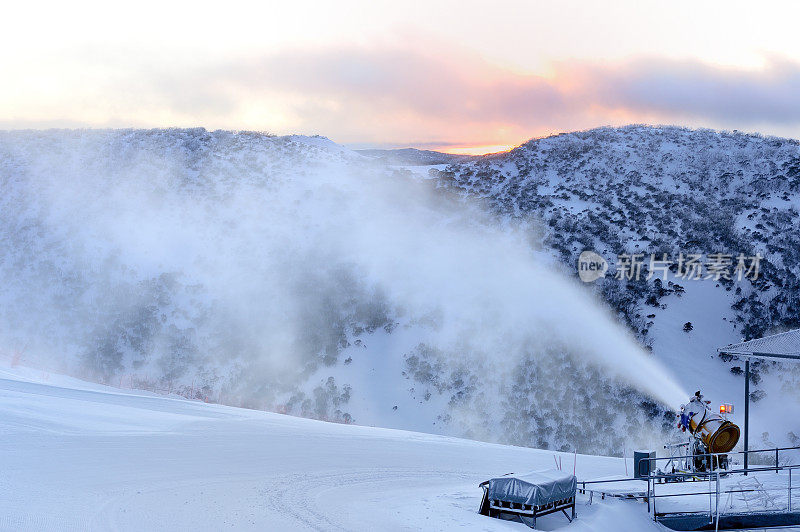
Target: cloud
(433, 87)
(435, 95)
(693, 89)
(391, 94)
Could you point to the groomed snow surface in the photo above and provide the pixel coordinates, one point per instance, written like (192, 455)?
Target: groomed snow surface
(80, 456)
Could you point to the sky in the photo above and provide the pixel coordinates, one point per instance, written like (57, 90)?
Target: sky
(458, 76)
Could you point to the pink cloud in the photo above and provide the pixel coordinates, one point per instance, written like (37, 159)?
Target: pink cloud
(441, 95)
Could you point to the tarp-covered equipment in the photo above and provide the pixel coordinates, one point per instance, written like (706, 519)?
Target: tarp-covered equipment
(526, 497)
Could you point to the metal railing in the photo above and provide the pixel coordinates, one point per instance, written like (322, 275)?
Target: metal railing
(713, 476)
(715, 492)
(712, 457)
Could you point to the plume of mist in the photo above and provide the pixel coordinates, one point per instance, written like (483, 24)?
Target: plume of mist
(249, 260)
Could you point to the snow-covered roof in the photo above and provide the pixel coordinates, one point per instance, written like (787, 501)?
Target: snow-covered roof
(785, 344)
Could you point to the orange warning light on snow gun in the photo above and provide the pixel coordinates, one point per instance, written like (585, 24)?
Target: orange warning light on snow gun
(726, 408)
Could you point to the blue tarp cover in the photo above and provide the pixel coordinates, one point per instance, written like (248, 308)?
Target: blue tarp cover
(536, 488)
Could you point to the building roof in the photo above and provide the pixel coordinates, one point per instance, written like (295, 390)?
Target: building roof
(782, 345)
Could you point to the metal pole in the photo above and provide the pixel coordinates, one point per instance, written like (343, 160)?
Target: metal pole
(746, 410)
(710, 498)
(716, 526)
(790, 489)
(655, 515)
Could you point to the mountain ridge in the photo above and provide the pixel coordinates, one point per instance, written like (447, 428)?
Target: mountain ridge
(162, 321)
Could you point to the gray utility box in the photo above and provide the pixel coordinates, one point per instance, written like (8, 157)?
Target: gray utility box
(641, 466)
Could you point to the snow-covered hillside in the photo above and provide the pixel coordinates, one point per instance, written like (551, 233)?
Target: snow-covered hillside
(668, 190)
(79, 456)
(642, 189)
(294, 275)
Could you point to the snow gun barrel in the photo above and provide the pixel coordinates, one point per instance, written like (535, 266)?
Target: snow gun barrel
(717, 433)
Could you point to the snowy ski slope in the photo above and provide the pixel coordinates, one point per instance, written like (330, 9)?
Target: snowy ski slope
(80, 456)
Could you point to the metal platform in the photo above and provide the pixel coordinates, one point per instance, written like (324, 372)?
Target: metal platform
(727, 499)
(729, 521)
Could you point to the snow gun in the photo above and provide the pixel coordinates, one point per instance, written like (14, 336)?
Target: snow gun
(711, 432)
